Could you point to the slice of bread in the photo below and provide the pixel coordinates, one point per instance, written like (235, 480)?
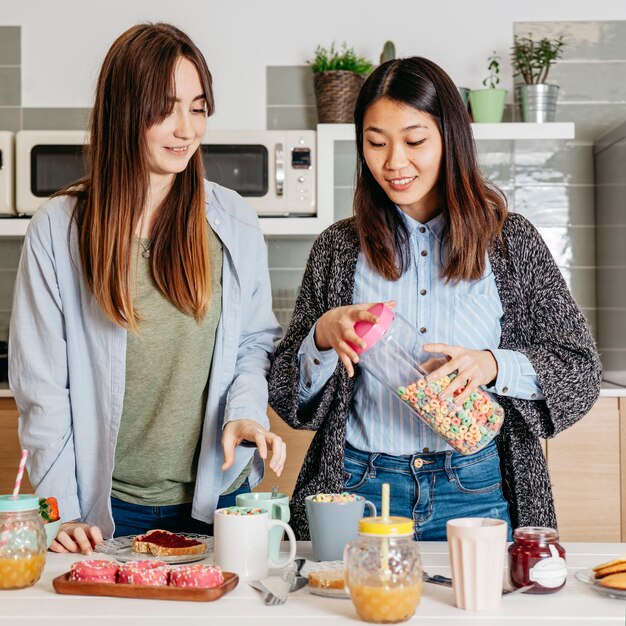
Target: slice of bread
(611, 567)
(327, 579)
(164, 543)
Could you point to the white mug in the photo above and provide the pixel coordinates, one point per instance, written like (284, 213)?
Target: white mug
(242, 543)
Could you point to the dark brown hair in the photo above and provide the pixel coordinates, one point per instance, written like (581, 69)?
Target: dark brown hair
(135, 90)
(474, 209)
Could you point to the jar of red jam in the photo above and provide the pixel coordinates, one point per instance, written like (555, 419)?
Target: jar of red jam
(535, 556)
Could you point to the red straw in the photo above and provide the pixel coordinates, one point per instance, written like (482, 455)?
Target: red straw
(20, 473)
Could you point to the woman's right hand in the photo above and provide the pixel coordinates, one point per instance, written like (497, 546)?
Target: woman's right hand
(76, 537)
(336, 328)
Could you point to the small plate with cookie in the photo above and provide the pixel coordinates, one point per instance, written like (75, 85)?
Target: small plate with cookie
(607, 578)
(158, 544)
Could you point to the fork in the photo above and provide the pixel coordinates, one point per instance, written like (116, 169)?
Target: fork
(269, 598)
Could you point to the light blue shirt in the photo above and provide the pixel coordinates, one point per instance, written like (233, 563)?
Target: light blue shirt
(467, 313)
(67, 362)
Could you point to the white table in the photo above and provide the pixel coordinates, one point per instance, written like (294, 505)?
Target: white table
(574, 604)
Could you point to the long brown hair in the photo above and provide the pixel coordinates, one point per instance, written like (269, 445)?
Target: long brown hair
(135, 90)
(474, 208)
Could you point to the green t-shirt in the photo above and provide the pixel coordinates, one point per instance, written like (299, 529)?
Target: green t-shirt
(167, 371)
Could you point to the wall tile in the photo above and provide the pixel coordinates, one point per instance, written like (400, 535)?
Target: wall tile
(582, 284)
(10, 86)
(601, 40)
(288, 252)
(291, 118)
(10, 45)
(287, 281)
(556, 205)
(290, 84)
(591, 119)
(611, 293)
(612, 248)
(345, 163)
(591, 315)
(553, 161)
(11, 118)
(612, 331)
(344, 197)
(56, 119)
(5, 317)
(590, 82)
(495, 160)
(614, 363)
(10, 251)
(7, 282)
(570, 246)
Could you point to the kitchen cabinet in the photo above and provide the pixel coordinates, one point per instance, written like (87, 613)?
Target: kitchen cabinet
(587, 465)
(10, 448)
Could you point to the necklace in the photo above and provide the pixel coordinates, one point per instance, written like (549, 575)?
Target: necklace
(146, 249)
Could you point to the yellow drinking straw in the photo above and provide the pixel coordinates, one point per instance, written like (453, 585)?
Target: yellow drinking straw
(385, 545)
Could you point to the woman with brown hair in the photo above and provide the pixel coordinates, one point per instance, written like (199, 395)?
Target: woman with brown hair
(432, 236)
(142, 322)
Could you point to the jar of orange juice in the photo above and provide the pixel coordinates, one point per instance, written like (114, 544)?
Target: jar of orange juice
(383, 570)
(22, 542)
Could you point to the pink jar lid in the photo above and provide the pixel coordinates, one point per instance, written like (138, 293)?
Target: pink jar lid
(371, 333)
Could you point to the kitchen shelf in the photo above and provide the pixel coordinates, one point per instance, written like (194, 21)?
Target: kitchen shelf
(13, 226)
(271, 226)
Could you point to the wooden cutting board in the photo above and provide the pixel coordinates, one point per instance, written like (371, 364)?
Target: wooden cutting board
(62, 584)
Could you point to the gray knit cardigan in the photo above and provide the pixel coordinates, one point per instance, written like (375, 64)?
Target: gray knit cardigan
(541, 320)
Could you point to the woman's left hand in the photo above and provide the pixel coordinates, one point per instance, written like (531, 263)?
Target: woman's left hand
(237, 431)
(473, 368)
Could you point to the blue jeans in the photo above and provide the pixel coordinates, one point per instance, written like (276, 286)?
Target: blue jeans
(431, 488)
(136, 519)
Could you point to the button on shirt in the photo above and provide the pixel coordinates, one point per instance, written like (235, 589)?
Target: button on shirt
(466, 313)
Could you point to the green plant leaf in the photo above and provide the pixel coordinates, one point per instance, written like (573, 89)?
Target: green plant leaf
(331, 58)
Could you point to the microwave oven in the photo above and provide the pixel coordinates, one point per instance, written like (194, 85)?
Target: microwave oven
(275, 171)
(46, 161)
(7, 172)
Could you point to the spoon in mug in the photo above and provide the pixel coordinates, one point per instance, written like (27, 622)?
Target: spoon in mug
(274, 492)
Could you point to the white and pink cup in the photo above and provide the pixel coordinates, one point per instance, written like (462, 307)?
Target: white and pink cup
(477, 548)
(242, 542)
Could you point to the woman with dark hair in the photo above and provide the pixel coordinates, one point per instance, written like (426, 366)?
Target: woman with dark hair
(433, 237)
(142, 323)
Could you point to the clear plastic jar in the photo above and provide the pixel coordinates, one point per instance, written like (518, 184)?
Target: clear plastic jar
(22, 542)
(535, 556)
(395, 357)
(383, 570)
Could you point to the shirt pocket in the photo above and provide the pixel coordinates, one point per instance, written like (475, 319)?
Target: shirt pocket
(477, 320)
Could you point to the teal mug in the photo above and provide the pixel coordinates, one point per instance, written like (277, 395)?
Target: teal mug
(278, 508)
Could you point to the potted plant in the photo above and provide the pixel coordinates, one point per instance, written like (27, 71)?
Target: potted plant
(488, 104)
(337, 78)
(532, 59)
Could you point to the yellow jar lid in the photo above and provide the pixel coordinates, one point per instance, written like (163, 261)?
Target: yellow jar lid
(386, 527)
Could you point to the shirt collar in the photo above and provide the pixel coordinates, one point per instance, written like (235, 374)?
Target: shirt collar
(437, 225)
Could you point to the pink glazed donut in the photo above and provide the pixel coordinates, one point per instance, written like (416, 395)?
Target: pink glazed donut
(205, 576)
(153, 573)
(94, 571)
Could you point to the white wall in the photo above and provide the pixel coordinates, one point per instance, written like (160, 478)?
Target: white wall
(64, 41)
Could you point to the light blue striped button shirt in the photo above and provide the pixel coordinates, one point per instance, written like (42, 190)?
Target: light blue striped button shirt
(467, 313)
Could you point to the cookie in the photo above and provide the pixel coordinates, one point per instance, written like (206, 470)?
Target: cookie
(614, 581)
(610, 567)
